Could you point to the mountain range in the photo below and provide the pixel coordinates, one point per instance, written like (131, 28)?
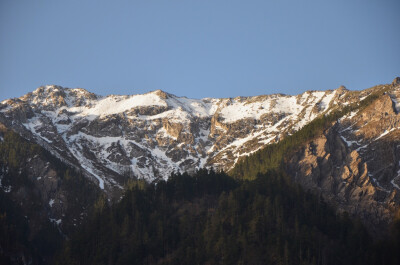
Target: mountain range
(152, 135)
(102, 143)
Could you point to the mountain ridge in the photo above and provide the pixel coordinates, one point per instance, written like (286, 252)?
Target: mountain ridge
(219, 126)
(114, 139)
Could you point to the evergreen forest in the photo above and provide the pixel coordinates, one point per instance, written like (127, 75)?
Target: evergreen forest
(210, 218)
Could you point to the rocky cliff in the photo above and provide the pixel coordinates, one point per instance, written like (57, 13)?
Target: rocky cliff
(354, 164)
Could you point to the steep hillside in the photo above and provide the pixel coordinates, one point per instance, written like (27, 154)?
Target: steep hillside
(41, 201)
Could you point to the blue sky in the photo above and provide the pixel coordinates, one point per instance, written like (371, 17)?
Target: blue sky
(198, 48)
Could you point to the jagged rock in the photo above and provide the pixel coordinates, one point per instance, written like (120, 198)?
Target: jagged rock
(341, 177)
(355, 165)
(173, 129)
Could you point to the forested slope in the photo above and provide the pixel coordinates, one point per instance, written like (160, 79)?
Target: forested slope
(211, 219)
(41, 201)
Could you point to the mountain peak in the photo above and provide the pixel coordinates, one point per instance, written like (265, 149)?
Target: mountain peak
(160, 93)
(50, 89)
(47, 89)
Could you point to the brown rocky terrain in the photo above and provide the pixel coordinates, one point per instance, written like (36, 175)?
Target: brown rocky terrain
(354, 164)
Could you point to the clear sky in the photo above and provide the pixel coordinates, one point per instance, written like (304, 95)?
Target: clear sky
(198, 48)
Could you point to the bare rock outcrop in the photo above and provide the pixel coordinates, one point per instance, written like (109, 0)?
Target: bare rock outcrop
(327, 166)
(355, 165)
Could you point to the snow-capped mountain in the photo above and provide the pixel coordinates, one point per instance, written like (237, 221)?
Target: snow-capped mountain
(354, 163)
(151, 135)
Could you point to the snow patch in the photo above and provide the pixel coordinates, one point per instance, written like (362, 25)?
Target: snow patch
(326, 100)
(384, 133)
(101, 181)
(117, 104)
(33, 125)
(348, 143)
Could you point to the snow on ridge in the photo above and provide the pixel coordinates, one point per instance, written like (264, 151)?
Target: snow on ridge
(327, 99)
(200, 108)
(234, 109)
(239, 110)
(118, 104)
(292, 105)
(115, 104)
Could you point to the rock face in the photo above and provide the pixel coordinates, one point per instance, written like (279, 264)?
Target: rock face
(342, 176)
(355, 165)
(150, 136)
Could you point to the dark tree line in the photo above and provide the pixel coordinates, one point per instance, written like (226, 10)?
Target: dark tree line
(26, 234)
(209, 218)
